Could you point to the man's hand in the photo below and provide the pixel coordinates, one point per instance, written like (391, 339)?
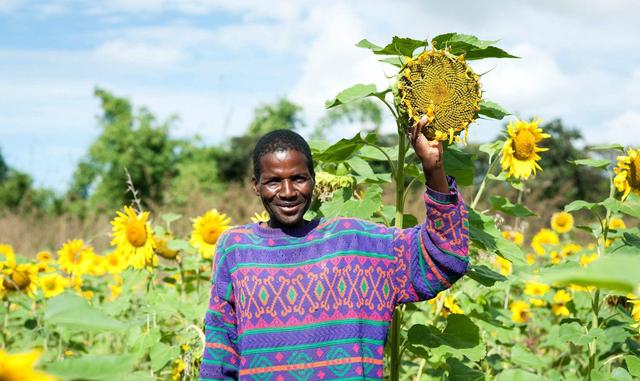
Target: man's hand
(430, 153)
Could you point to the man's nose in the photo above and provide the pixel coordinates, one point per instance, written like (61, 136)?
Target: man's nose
(287, 190)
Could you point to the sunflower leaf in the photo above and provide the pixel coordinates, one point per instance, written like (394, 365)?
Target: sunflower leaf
(459, 164)
(492, 110)
(490, 52)
(596, 163)
(354, 93)
(401, 46)
(344, 148)
(472, 47)
(505, 206)
(396, 61)
(605, 147)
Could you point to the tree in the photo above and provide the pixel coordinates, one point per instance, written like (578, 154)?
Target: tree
(128, 140)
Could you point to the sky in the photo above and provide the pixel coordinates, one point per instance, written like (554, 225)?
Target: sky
(212, 62)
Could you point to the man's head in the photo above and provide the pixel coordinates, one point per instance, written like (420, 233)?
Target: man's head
(283, 177)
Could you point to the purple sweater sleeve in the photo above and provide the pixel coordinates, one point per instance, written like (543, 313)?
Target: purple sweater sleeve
(432, 256)
(220, 360)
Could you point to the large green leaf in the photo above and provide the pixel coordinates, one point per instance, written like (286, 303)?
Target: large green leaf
(161, 354)
(459, 164)
(370, 152)
(505, 206)
(93, 367)
(74, 312)
(471, 46)
(492, 110)
(605, 147)
(344, 148)
(400, 46)
(484, 275)
(485, 235)
(461, 337)
(354, 93)
(518, 375)
(616, 272)
(596, 163)
(523, 357)
(343, 205)
(633, 364)
(458, 371)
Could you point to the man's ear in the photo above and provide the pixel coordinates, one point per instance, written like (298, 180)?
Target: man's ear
(254, 183)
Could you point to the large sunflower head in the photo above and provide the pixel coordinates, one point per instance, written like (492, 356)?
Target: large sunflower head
(133, 237)
(520, 151)
(627, 171)
(206, 231)
(442, 87)
(74, 257)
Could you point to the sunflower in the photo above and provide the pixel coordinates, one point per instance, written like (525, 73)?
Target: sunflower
(535, 289)
(544, 237)
(115, 263)
(587, 259)
(161, 247)
(133, 237)
(74, 257)
(616, 223)
(260, 217)
(96, 265)
(570, 249)
(7, 256)
(44, 256)
(326, 184)
(502, 265)
(560, 300)
(513, 236)
(628, 173)
(206, 231)
(442, 87)
(562, 222)
(23, 277)
(19, 367)
(520, 311)
(520, 150)
(449, 304)
(53, 284)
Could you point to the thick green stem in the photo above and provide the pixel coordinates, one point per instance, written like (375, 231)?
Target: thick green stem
(396, 322)
(483, 183)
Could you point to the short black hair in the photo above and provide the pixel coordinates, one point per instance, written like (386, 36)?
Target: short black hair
(280, 140)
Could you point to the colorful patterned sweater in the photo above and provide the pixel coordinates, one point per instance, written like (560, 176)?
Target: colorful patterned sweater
(315, 303)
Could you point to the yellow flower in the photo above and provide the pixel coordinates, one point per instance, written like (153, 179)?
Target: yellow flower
(530, 258)
(616, 223)
(443, 88)
(133, 237)
(449, 304)
(206, 230)
(520, 311)
(520, 151)
(560, 300)
(87, 294)
(555, 257)
(535, 289)
(7, 256)
(19, 367)
(178, 368)
(23, 277)
(264, 216)
(544, 237)
(115, 288)
(562, 222)
(96, 265)
(586, 259)
(53, 284)
(44, 256)
(161, 247)
(628, 173)
(73, 257)
(570, 249)
(514, 236)
(576, 288)
(537, 302)
(503, 265)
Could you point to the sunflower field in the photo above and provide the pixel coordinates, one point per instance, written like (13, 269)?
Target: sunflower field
(561, 303)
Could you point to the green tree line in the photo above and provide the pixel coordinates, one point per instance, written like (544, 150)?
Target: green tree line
(136, 148)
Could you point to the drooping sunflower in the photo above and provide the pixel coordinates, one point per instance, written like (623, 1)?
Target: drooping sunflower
(18, 367)
(133, 237)
(53, 284)
(206, 231)
(520, 151)
(23, 277)
(627, 172)
(161, 247)
(562, 222)
(542, 238)
(260, 217)
(442, 87)
(74, 257)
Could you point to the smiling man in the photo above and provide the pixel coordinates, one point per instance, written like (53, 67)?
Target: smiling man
(293, 299)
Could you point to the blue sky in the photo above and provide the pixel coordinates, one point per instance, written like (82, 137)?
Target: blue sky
(212, 62)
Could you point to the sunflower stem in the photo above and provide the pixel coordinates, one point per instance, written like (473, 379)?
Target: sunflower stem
(483, 183)
(5, 324)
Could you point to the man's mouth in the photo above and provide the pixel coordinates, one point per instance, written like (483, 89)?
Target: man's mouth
(289, 207)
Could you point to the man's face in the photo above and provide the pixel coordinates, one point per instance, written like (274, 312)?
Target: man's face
(285, 187)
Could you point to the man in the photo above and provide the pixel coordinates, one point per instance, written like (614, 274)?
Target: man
(312, 300)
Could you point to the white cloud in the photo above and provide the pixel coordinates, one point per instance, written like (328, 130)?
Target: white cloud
(623, 129)
(139, 54)
(9, 5)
